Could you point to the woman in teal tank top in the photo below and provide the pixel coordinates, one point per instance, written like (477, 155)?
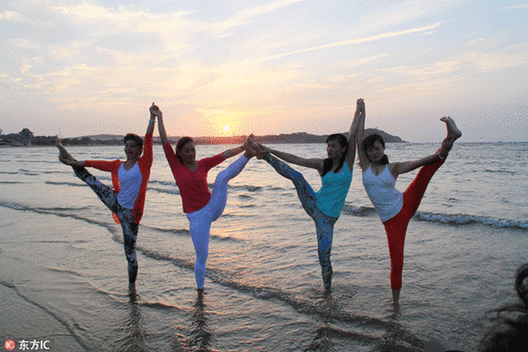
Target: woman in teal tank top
(324, 206)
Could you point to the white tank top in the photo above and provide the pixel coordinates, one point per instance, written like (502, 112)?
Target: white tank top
(129, 184)
(381, 190)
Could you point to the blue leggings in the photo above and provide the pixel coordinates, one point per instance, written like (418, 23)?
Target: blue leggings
(125, 216)
(200, 221)
(324, 224)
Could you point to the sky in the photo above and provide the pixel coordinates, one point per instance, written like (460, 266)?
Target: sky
(234, 67)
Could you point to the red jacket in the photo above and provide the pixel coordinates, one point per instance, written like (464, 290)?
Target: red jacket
(144, 163)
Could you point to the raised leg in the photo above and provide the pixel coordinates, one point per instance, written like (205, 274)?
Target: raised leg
(305, 192)
(218, 199)
(453, 133)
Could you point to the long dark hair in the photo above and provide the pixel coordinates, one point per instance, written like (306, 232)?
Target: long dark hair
(179, 146)
(369, 141)
(510, 332)
(343, 142)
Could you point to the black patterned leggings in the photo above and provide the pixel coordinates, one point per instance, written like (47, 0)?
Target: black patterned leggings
(125, 216)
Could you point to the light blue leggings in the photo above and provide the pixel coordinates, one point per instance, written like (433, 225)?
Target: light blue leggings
(324, 224)
(200, 220)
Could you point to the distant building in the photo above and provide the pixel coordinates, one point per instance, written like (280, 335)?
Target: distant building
(24, 137)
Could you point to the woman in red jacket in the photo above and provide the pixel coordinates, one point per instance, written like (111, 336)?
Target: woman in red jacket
(129, 180)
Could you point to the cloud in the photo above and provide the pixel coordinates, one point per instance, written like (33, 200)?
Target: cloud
(263, 63)
(352, 41)
(510, 57)
(521, 6)
(242, 17)
(25, 43)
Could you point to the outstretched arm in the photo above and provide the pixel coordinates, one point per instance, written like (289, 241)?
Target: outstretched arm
(154, 110)
(364, 162)
(234, 151)
(399, 168)
(351, 154)
(150, 127)
(313, 163)
(453, 133)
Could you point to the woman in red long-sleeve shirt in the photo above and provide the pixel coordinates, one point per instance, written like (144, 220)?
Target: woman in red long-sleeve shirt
(201, 206)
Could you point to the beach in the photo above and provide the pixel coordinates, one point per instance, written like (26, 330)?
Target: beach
(64, 278)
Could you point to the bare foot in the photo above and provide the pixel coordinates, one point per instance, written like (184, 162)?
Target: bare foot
(453, 133)
(396, 298)
(64, 156)
(132, 293)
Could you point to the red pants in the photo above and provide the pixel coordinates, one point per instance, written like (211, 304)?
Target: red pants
(396, 227)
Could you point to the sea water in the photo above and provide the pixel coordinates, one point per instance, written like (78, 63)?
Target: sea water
(63, 277)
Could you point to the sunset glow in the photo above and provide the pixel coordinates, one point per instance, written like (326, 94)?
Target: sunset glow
(265, 67)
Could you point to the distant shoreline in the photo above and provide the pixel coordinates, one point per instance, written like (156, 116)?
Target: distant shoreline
(95, 144)
(107, 139)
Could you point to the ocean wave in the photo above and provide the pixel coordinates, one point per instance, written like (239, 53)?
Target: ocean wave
(28, 172)
(54, 211)
(450, 219)
(249, 188)
(358, 210)
(185, 232)
(509, 172)
(163, 183)
(174, 190)
(55, 183)
(52, 172)
(64, 271)
(464, 219)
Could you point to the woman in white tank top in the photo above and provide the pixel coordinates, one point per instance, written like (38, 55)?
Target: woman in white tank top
(395, 208)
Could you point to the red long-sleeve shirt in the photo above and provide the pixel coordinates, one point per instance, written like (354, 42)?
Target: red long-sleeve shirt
(193, 186)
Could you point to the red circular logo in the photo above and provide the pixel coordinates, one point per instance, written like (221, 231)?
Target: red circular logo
(10, 345)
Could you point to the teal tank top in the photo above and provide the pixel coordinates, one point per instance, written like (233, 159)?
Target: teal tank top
(331, 197)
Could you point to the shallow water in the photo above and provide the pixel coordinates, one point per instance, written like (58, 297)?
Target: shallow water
(64, 273)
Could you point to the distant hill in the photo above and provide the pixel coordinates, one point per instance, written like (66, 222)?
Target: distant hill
(298, 137)
(302, 137)
(26, 138)
(388, 138)
(104, 137)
